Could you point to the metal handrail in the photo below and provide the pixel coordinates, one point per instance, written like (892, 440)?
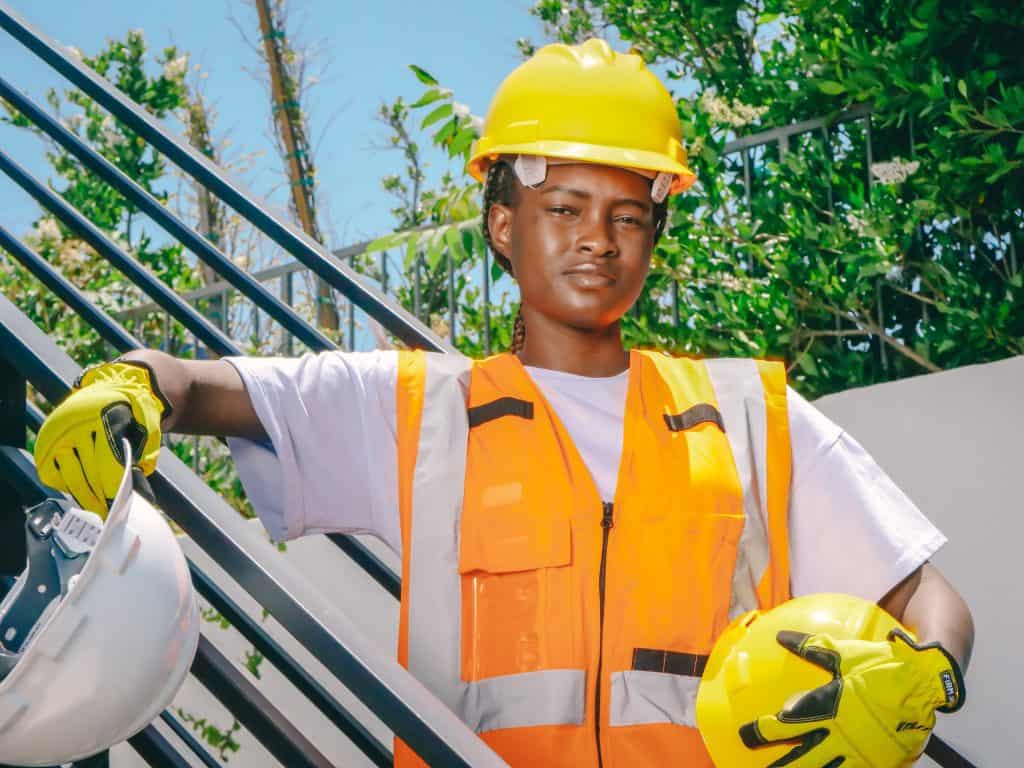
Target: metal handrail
(33, 491)
(392, 316)
(17, 468)
(204, 330)
(174, 226)
(167, 298)
(122, 340)
(395, 696)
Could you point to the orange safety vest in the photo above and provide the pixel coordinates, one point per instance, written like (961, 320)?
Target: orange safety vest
(529, 603)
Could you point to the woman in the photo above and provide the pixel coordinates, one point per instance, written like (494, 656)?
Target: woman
(577, 523)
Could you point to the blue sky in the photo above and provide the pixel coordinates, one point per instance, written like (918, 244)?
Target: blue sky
(468, 46)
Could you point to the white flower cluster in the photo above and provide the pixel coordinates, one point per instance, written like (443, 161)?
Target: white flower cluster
(476, 123)
(895, 172)
(109, 132)
(856, 223)
(175, 68)
(48, 231)
(734, 113)
(73, 122)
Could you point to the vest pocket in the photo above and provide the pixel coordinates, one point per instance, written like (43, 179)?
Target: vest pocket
(518, 608)
(718, 538)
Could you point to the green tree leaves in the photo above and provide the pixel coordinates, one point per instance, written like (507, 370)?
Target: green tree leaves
(854, 268)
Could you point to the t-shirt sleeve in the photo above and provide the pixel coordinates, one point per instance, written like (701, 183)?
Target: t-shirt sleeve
(330, 463)
(851, 529)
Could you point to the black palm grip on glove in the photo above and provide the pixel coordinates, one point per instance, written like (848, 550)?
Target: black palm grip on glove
(119, 424)
(817, 705)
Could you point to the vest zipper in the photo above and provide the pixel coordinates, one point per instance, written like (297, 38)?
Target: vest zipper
(607, 522)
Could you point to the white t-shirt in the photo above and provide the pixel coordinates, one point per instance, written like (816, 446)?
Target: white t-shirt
(331, 466)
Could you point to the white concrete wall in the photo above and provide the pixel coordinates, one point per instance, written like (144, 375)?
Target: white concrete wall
(952, 441)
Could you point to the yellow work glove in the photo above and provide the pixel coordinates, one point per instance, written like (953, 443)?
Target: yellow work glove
(79, 449)
(878, 711)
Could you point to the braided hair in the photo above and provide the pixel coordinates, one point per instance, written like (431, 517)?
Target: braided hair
(501, 187)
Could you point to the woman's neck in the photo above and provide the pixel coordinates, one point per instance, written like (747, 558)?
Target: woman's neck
(573, 350)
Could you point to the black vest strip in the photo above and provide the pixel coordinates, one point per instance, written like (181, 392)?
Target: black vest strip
(671, 662)
(503, 406)
(691, 417)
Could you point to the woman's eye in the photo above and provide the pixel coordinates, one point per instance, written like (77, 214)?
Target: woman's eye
(631, 220)
(561, 210)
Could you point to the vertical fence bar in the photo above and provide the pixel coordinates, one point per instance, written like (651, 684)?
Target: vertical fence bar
(827, 146)
(417, 289)
(870, 155)
(384, 272)
(451, 296)
(675, 304)
(352, 313)
(1013, 253)
(288, 297)
(13, 394)
(745, 153)
(882, 356)
(487, 301)
(195, 438)
(746, 178)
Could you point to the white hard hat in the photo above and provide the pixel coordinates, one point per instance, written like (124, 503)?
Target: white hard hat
(97, 634)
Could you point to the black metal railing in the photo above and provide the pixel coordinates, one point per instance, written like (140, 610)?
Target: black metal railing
(393, 695)
(29, 355)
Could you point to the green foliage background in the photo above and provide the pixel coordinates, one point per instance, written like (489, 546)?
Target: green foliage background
(855, 269)
(157, 83)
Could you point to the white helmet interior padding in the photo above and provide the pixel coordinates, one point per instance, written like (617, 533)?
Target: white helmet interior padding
(54, 558)
(102, 649)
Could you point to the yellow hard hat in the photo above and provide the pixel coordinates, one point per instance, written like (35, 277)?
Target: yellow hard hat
(750, 674)
(587, 103)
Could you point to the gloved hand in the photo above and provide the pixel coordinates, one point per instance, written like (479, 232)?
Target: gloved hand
(78, 449)
(878, 711)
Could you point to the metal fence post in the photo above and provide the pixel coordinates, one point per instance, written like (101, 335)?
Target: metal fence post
(451, 297)
(351, 312)
(417, 290)
(288, 297)
(13, 393)
(487, 303)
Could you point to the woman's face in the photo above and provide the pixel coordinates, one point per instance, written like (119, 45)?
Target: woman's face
(580, 244)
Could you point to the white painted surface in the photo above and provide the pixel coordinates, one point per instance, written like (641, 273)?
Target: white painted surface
(953, 442)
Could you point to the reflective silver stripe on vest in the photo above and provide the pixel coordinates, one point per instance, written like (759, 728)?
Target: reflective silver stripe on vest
(549, 697)
(740, 395)
(645, 698)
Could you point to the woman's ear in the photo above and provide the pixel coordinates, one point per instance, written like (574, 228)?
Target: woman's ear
(499, 224)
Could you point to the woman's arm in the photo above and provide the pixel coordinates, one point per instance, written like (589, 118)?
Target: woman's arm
(929, 605)
(207, 397)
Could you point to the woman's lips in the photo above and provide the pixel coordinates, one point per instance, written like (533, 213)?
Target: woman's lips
(589, 276)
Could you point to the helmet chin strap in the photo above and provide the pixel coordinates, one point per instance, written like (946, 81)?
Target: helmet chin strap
(531, 170)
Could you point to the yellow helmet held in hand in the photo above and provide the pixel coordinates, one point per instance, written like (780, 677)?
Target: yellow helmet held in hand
(823, 680)
(587, 103)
